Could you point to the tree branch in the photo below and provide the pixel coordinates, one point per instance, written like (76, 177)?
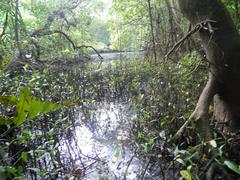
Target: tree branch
(197, 28)
(5, 22)
(49, 32)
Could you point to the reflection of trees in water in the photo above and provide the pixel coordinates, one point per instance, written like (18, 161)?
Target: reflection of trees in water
(105, 129)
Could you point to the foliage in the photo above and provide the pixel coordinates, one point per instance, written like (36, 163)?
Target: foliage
(234, 8)
(128, 24)
(26, 107)
(74, 18)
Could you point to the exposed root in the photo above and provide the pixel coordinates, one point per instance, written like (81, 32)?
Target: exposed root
(217, 169)
(181, 130)
(201, 117)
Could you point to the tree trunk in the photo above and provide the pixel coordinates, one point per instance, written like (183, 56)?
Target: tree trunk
(152, 29)
(170, 21)
(5, 24)
(237, 13)
(16, 29)
(221, 42)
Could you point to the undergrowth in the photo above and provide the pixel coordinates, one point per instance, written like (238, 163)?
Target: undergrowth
(162, 95)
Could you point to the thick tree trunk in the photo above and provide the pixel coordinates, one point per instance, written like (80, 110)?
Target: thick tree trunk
(221, 42)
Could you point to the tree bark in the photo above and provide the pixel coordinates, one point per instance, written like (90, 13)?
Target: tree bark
(16, 28)
(221, 42)
(5, 21)
(237, 13)
(152, 31)
(170, 20)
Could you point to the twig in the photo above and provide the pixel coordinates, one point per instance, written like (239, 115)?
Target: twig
(126, 170)
(7, 132)
(145, 170)
(198, 27)
(180, 42)
(94, 158)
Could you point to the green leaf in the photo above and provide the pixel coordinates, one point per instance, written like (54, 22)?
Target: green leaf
(29, 106)
(181, 161)
(185, 174)
(71, 102)
(11, 170)
(24, 156)
(233, 166)
(213, 143)
(184, 61)
(38, 106)
(8, 100)
(23, 106)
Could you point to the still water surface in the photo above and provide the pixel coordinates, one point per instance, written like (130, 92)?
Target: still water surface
(103, 137)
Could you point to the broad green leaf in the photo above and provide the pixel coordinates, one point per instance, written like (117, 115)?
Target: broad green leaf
(29, 106)
(23, 106)
(233, 166)
(38, 106)
(185, 174)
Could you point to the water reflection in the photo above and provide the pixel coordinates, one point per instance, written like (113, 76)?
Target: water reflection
(103, 142)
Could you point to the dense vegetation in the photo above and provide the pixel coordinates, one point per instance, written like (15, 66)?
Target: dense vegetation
(47, 75)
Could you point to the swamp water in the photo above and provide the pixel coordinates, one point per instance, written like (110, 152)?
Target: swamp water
(100, 146)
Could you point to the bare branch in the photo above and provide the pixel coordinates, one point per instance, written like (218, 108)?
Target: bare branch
(84, 46)
(198, 27)
(49, 32)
